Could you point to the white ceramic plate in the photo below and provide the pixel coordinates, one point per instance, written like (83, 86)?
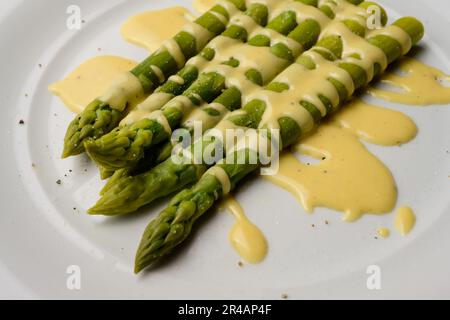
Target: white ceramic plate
(41, 235)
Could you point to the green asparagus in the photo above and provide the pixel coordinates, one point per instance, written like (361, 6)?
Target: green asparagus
(175, 223)
(125, 194)
(164, 152)
(100, 117)
(175, 86)
(126, 145)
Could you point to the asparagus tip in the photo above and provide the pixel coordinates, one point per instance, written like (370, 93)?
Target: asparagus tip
(94, 152)
(72, 149)
(137, 269)
(106, 209)
(91, 151)
(88, 146)
(93, 211)
(98, 210)
(67, 152)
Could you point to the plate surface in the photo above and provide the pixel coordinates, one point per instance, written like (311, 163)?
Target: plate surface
(41, 234)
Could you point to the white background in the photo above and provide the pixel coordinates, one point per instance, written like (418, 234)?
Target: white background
(40, 236)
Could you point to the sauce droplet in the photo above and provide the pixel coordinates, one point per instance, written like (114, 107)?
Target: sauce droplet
(245, 237)
(384, 232)
(405, 220)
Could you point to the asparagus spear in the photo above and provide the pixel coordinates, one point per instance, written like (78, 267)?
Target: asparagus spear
(100, 116)
(125, 194)
(164, 152)
(126, 145)
(175, 223)
(156, 155)
(175, 86)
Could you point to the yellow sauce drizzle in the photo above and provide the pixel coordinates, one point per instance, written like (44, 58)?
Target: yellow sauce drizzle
(245, 237)
(150, 29)
(88, 81)
(346, 180)
(384, 232)
(375, 124)
(405, 220)
(420, 85)
(349, 178)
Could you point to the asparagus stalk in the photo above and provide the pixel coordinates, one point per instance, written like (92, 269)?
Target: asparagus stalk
(164, 152)
(175, 223)
(100, 117)
(156, 155)
(126, 145)
(125, 194)
(175, 86)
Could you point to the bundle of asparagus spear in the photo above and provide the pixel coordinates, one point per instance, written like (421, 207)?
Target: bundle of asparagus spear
(126, 145)
(316, 55)
(126, 193)
(104, 114)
